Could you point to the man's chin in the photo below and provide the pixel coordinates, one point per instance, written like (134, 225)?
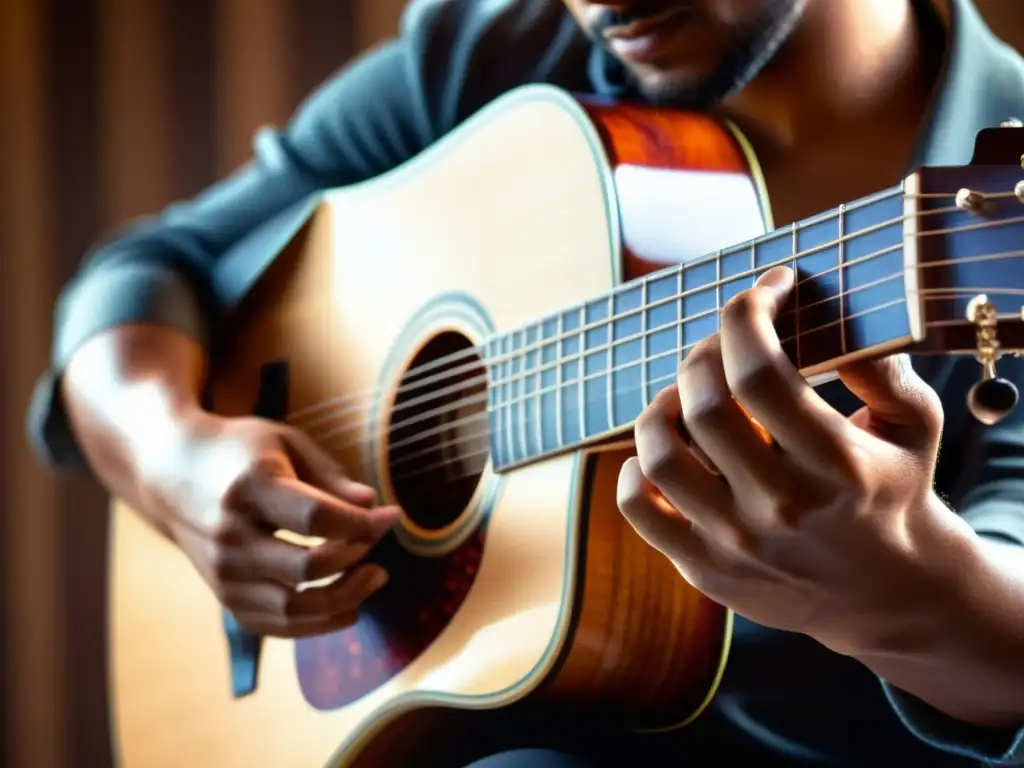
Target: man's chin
(680, 89)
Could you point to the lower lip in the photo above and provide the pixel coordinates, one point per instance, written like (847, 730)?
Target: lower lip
(647, 47)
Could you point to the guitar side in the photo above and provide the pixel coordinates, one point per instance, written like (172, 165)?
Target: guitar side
(543, 592)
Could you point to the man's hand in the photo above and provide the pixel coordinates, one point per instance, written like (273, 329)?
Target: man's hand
(830, 529)
(233, 485)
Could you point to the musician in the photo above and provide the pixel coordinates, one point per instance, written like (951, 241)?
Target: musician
(881, 615)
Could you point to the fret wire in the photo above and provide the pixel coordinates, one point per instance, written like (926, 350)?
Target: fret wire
(718, 290)
(796, 289)
(862, 313)
(809, 252)
(842, 300)
(825, 246)
(644, 394)
(537, 404)
(580, 373)
(895, 302)
(558, 381)
(494, 389)
(711, 312)
(933, 295)
(846, 264)
(509, 436)
(523, 445)
(682, 311)
(611, 362)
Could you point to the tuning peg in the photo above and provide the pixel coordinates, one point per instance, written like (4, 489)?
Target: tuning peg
(993, 398)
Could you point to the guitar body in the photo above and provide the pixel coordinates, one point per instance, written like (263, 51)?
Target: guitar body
(510, 591)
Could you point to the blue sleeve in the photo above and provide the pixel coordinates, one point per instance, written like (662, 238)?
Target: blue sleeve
(186, 267)
(981, 475)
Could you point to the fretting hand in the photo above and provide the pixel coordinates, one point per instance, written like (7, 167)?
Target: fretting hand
(833, 529)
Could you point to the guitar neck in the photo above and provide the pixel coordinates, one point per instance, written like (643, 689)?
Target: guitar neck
(583, 374)
(902, 268)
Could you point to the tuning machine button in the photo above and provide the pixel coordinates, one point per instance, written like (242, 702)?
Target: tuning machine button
(993, 398)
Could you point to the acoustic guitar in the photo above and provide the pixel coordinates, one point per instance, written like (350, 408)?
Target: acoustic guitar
(474, 334)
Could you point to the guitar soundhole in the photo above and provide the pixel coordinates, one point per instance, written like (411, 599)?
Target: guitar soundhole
(438, 435)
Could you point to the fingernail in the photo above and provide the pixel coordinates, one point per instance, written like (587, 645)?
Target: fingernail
(349, 487)
(779, 279)
(388, 516)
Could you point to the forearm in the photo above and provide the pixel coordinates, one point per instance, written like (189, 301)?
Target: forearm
(127, 391)
(968, 665)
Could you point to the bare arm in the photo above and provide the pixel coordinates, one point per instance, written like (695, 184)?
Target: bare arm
(968, 664)
(127, 392)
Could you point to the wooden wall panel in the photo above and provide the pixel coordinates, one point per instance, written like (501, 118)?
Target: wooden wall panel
(110, 109)
(30, 590)
(252, 73)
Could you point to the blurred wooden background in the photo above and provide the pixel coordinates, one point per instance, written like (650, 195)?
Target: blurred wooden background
(108, 110)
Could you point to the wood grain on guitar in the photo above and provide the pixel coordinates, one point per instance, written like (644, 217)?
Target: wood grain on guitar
(475, 334)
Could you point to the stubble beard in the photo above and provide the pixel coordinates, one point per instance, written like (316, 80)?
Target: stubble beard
(744, 62)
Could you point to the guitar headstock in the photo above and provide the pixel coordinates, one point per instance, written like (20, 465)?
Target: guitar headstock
(969, 224)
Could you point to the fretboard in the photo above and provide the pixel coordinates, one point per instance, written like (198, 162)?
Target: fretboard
(583, 374)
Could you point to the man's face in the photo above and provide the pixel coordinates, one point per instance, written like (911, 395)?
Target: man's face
(690, 52)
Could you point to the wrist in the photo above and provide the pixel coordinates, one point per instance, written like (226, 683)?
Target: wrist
(958, 647)
(931, 596)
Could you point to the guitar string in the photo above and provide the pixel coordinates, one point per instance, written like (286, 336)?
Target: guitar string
(673, 271)
(523, 376)
(520, 376)
(336, 404)
(484, 416)
(667, 271)
(581, 379)
(522, 400)
(487, 432)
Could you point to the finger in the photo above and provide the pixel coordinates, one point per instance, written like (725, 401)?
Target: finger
(672, 468)
(657, 523)
(767, 384)
(268, 557)
(265, 626)
(315, 466)
(719, 425)
(899, 406)
(284, 606)
(292, 505)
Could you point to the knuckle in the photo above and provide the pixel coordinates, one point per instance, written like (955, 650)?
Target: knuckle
(303, 567)
(707, 409)
(933, 414)
(699, 577)
(250, 624)
(266, 465)
(226, 533)
(653, 414)
(314, 516)
(701, 353)
(850, 467)
(293, 604)
(658, 460)
(220, 564)
(741, 308)
(752, 379)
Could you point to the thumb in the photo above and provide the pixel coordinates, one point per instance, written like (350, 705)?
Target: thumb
(315, 466)
(899, 406)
